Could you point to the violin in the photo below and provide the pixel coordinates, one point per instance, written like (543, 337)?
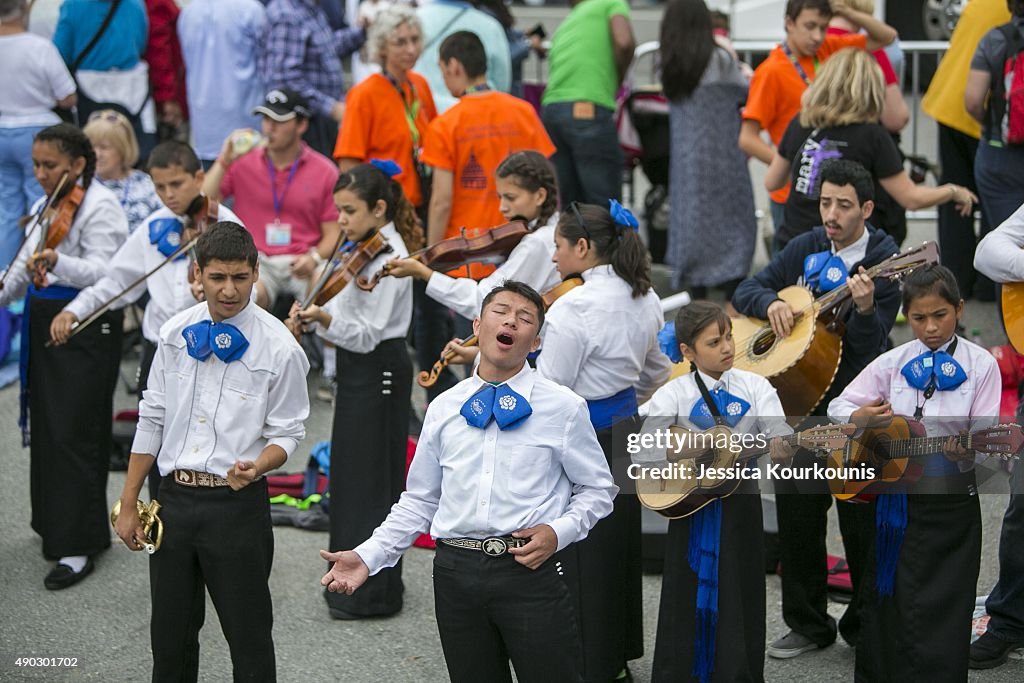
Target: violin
(491, 246)
(199, 215)
(31, 224)
(57, 218)
(428, 379)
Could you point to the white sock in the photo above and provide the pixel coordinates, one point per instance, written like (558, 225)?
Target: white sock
(76, 562)
(330, 362)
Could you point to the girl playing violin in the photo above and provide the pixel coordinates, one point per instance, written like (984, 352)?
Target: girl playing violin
(601, 341)
(527, 190)
(919, 590)
(67, 391)
(695, 595)
(371, 411)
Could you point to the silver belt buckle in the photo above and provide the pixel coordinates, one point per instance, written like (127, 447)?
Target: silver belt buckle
(494, 546)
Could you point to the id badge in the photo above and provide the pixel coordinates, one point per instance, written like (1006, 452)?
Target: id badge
(279, 234)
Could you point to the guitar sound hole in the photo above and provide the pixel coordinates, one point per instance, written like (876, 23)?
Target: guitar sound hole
(763, 342)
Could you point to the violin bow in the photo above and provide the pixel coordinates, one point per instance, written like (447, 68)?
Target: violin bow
(341, 248)
(50, 201)
(94, 316)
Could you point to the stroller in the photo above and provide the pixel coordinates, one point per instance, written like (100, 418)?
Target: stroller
(644, 137)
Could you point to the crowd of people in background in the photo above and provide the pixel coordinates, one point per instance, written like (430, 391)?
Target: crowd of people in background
(300, 130)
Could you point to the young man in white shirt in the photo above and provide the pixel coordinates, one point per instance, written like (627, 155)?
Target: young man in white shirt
(508, 472)
(215, 427)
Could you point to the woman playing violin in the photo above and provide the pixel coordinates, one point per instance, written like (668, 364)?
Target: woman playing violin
(371, 413)
(68, 391)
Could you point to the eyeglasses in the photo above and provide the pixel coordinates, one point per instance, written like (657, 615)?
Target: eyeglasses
(574, 207)
(110, 116)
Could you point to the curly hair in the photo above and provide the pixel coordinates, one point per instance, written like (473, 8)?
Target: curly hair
(531, 171)
(74, 143)
(386, 23)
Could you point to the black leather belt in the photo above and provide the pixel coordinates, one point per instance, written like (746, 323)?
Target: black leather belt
(494, 546)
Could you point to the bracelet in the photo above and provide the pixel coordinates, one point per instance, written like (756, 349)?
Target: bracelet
(953, 188)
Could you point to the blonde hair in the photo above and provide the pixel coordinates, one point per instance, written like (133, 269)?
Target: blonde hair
(865, 6)
(848, 89)
(385, 24)
(111, 127)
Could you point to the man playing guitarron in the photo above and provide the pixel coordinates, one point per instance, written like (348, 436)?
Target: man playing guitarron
(834, 253)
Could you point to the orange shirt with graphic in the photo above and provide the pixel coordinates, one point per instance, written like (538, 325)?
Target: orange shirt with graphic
(777, 86)
(376, 126)
(471, 139)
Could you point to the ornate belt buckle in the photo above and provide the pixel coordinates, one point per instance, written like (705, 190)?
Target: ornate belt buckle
(494, 546)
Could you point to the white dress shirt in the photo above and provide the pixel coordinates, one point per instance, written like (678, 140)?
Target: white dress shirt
(673, 403)
(970, 406)
(169, 289)
(1000, 254)
(599, 340)
(529, 262)
(466, 482)
(205, 415)
(361, 320)
(99, 229)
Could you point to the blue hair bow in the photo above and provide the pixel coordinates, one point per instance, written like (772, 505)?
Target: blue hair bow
(387, 166)
(623, 216)
(668, 342)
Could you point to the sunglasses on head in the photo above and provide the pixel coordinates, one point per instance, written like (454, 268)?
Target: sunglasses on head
(110, 116)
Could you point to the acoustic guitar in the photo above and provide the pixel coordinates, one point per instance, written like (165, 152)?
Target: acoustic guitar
(687, 491)
(1012, 300)
(890, 451)
(802, 366)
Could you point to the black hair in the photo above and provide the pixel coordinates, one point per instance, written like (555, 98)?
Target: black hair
(174, 153)
(71, 141)
(795, 7)
(466, 47)
(616, 244)
(1016, 7)
(522, 289)
(226, 241)
(931, 279)
(846, 172)
(720, 20)
(697, 315)
(372, 185)
(686, 46)
(532, 171)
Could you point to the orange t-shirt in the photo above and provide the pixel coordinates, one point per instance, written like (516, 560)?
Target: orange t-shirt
(375, 126)
(471, 139)
(776, 88)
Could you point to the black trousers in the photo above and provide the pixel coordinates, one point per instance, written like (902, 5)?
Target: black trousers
(803, 517)
(923, 631)
(957, 239)
(145, 363)
(740, 633)
(71, 397)
(492, 609)
(221, 540)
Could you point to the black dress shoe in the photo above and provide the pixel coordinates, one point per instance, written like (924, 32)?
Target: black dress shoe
(63, 576)
(990, 651)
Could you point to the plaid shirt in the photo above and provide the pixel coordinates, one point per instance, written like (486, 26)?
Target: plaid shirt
(304, 54)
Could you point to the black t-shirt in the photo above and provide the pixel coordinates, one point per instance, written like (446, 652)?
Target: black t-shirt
(869, 144)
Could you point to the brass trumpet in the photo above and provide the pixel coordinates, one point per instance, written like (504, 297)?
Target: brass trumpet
(148, 519)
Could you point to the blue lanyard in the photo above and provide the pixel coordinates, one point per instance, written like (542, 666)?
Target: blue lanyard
(279, 201)
(483, 87)
(796, 63)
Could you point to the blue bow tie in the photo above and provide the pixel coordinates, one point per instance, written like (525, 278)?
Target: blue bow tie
(730, 407)
(501, 403)
(824, 271)
(228, 341)
(934, 367)
(165, 233)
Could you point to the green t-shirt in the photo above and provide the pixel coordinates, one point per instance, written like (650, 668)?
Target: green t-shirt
(581, 62)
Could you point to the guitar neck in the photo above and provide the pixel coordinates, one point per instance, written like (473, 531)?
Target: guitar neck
(925, 445)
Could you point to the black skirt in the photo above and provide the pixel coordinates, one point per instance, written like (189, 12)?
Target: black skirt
(604, 573)
(368, 453)
(740, 635)
(922, 632)
(71, 404)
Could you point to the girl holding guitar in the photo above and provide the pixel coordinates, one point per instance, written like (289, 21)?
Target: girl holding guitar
(688, 644)
(73, 234)
(371, 411)
(918, 592)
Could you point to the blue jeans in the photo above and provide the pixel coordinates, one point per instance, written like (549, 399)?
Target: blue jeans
(999, 173)
(1005, 604)
(18, 187)
(589, 161)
